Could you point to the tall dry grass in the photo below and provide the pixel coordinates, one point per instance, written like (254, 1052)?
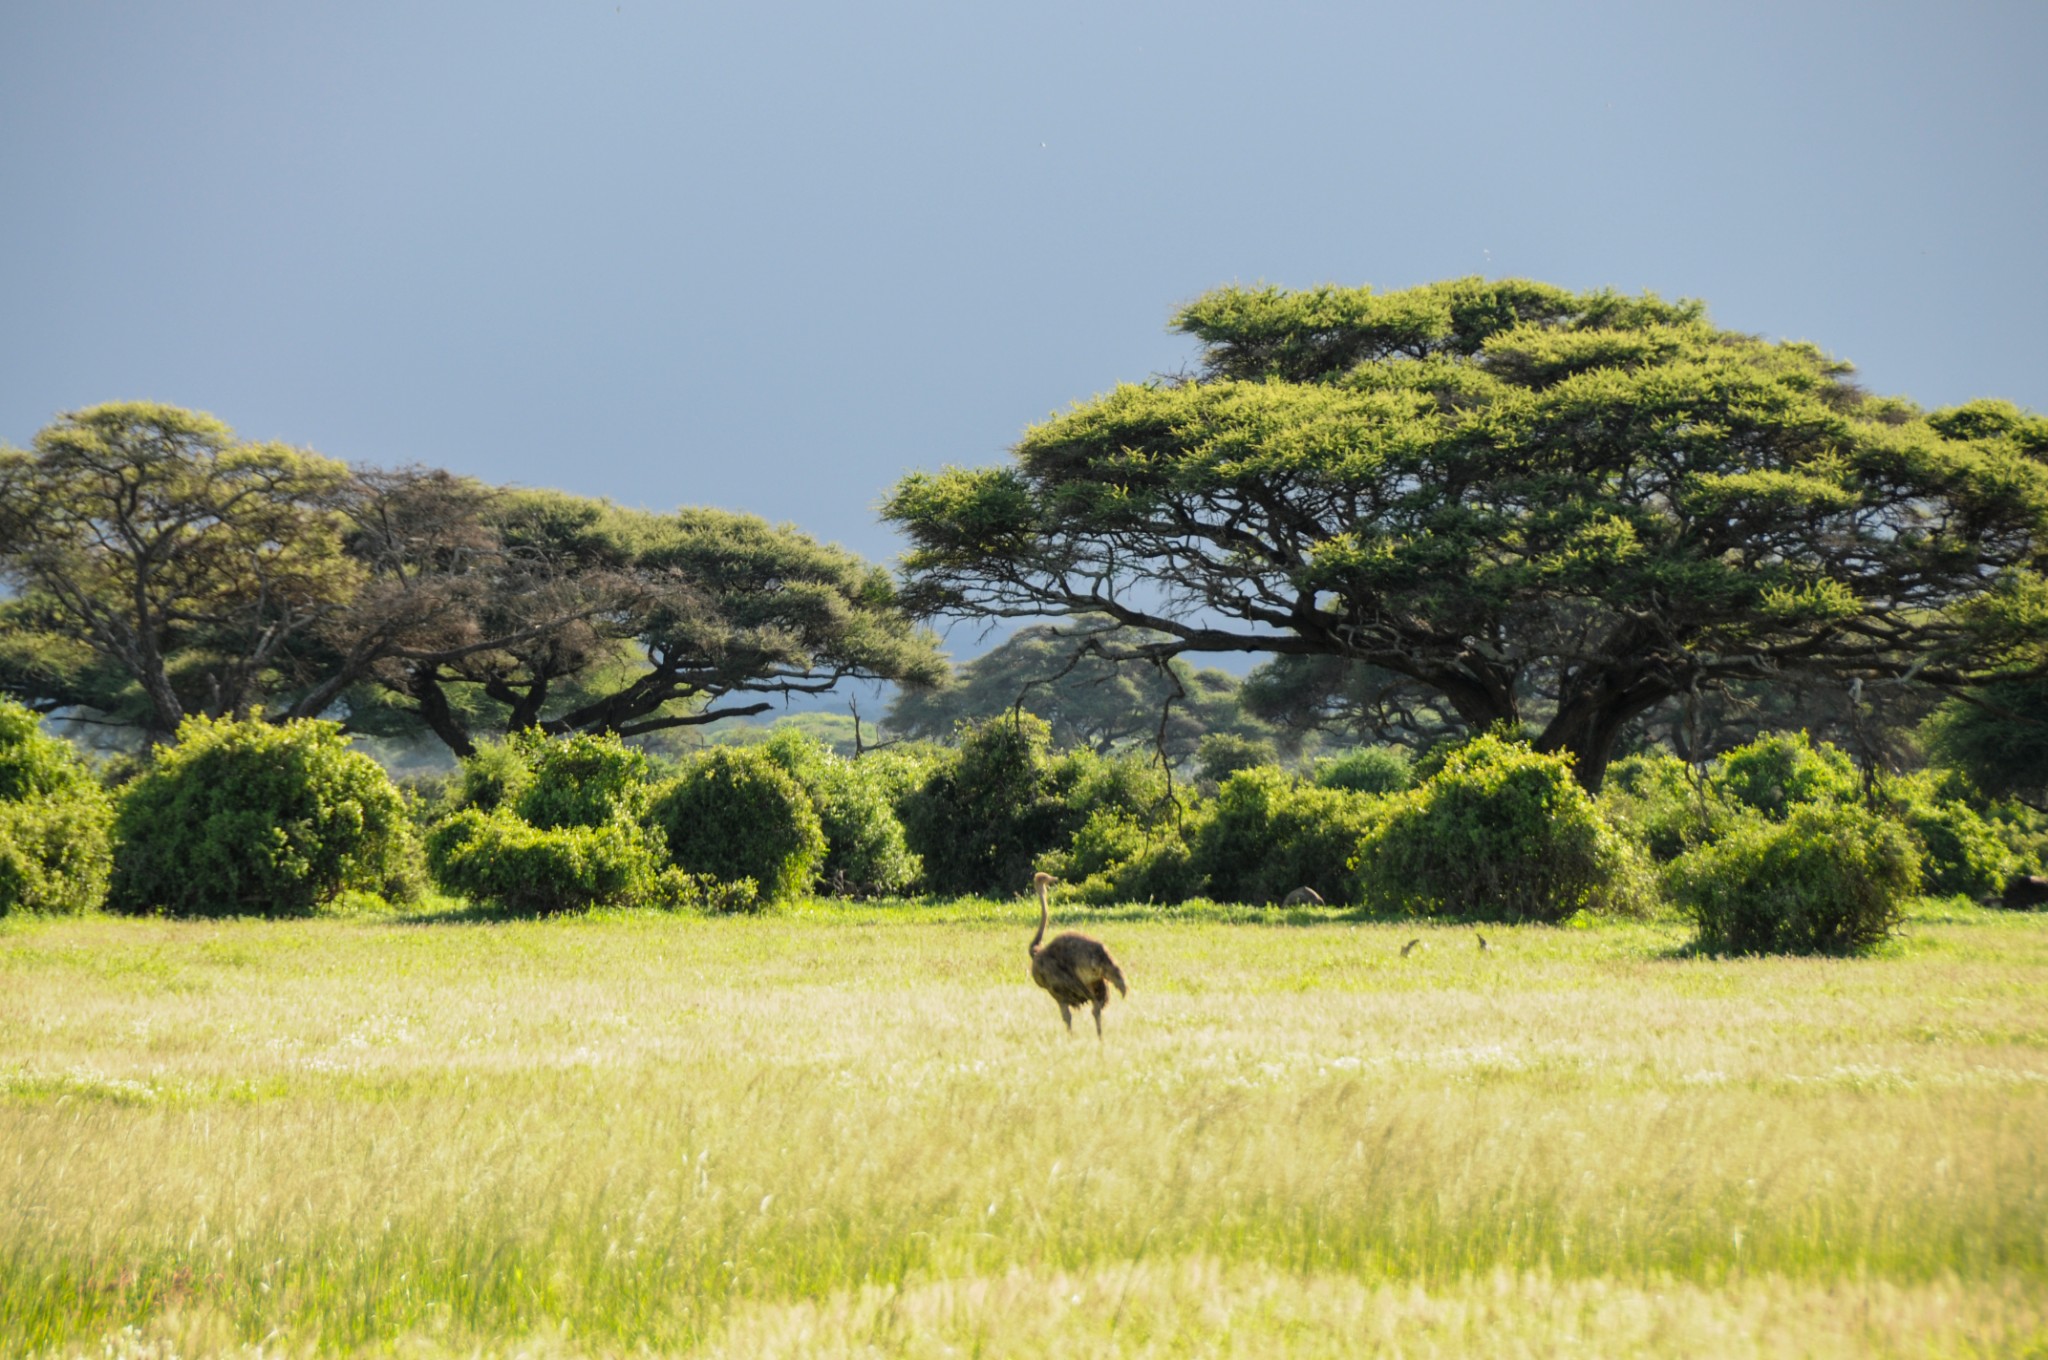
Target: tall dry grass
(865, 1133)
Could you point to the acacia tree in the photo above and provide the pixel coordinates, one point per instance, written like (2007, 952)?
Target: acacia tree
(162, 568)
(148, 547)
(1499, 491)
(1086, 699)
(620, 620)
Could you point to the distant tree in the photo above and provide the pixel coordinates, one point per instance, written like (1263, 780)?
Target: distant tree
(1502, 491)
(1061, 674)
(1346, 699)
(161, 567)
(625, 621)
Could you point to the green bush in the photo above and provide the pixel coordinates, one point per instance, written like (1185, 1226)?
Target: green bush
(1652, 799)
(1266, 835)
(55, 845)
(1783, 770)
(499, 859)
(1367, 769)
(1116, 858)
(1222, 754)
(1961, 852)
(984, 817)
(249, 819)
(864, 842)
(584, 779)
(1501, 832)
(1830, 879)
(735, 814)
(492, 777)
(1086, 783)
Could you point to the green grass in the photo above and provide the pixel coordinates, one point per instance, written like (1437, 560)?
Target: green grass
(841, 1131)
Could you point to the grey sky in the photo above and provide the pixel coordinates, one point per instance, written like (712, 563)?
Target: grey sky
(770, 257)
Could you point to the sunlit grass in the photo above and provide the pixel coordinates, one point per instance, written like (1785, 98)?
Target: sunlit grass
(862, 1131)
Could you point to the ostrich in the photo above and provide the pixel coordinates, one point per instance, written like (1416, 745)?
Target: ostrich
(1075, 969)
(1302, 897)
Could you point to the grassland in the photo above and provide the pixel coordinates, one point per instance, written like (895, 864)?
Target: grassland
(862, 1132)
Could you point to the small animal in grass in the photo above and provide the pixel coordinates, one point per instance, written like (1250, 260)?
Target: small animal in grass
(1411, 946)
(1302, 897)
(1484, 947)
(1076, 970)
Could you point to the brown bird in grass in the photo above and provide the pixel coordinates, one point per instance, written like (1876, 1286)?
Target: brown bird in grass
(1483, 945)
(1075, 969)
(1302, 897)
(1409, 947)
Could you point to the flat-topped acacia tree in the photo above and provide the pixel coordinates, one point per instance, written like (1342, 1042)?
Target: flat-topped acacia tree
(156, 567)
(1541, 505)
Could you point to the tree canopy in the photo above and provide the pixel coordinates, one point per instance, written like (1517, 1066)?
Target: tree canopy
(1545, 507)
(162, 568)
(148, 547)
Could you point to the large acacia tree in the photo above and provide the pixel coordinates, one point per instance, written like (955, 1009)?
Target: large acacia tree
(500, 610)
(161, 567)
(1543, 506)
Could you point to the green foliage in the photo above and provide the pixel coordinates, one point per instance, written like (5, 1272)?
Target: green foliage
(585, 779)
(492, 777)
(864, 843)
(1512, 490)
(983, 818)
(1502, 832)
(1652, 799)
(735, 814)
(1367, 769)
(1266, 835)
(1115, 858)
(1125, 820)
(497, 858)
(1107, 840)
(1998, 737)
(55, 849)
(1961, 852)
(159, 566)
(1133, 784)
(246, 818)
(1225, 753)
(1779, 771)
(1832, 878)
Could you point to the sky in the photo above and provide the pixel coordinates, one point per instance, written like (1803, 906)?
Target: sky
(773, 257)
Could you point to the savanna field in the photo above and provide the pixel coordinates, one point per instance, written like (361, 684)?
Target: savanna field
(838, 1130)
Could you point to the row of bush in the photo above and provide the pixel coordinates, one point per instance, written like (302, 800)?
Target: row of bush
(1780, 845)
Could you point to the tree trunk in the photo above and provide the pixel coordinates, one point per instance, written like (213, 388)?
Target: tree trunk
(1587, 726)
(440, 719)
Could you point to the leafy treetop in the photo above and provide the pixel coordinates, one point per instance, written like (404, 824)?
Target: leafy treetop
(1539, 505)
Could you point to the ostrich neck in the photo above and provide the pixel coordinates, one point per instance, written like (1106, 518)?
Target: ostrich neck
(1041, 920)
